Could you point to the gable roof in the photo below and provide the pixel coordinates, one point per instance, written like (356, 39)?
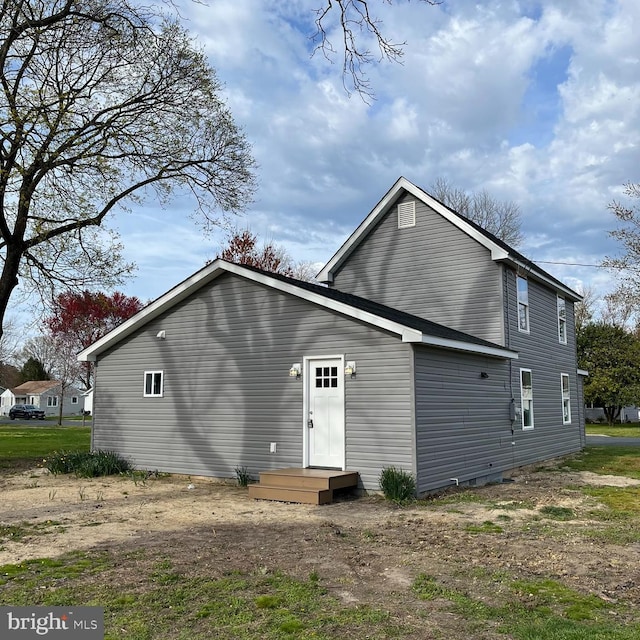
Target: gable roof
(35, 387)
(500, 250)
(407, 327)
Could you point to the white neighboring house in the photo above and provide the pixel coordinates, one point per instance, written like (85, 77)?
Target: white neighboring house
(88, 401)
(44, 394)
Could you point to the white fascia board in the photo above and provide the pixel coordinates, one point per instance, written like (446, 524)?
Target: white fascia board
(408, 334)
(583, 372)
(326, 274)
(152, 310)
(458, 345)
(216, 268)
(323, 301)
(531, 269)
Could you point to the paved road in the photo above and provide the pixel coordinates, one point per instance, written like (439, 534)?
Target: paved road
(20, 422)
(608, 441)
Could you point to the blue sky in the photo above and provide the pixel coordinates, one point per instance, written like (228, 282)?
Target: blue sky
(536, 102)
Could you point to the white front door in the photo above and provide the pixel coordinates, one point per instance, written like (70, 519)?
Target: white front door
(325, 412)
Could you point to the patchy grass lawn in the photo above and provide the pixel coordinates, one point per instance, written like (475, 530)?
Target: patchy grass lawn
(546, 557)
(622, 461)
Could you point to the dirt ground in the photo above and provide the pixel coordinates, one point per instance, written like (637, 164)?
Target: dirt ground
(364, 548)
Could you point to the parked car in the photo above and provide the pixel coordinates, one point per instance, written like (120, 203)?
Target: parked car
(26, 411)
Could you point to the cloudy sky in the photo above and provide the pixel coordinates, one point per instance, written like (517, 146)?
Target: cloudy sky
(535, 101)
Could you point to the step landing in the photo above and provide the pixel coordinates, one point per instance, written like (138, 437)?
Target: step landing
(307, 486)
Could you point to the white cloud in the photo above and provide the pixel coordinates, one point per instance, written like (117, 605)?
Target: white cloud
(460, 106)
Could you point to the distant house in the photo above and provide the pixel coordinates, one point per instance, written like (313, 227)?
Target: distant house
(434, 348)
(45, 394)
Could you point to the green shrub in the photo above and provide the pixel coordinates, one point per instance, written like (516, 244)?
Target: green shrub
(243, 477)
(87, 464)
(397, 485)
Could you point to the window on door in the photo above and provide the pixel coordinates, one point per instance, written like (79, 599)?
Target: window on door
(326, 377)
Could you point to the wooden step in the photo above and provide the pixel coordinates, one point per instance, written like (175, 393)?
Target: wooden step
(308, 486)
(290, 494)
(310, 478)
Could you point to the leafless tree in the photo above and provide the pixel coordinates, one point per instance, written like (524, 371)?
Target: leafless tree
(357, 26)
(102, 103)
(585, 310)
(501, 218)
(627, 265)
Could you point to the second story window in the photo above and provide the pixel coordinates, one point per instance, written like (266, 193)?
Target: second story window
(562, 320)
(523, 304)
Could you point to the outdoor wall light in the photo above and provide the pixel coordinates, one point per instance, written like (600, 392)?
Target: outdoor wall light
(295, 370)
(350, 369)
(484, 374)
(161, 335)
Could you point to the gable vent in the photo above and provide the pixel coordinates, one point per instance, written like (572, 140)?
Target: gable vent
(406, 215)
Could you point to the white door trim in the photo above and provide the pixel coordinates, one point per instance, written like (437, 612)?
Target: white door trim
(307, 380)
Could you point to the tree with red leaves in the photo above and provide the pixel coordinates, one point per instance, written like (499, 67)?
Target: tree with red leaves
(79, 319)
(243, 249)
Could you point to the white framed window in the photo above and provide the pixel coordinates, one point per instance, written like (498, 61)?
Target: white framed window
(526, 394)
(32, 400)
(52, 401)
(523, 304)
(566, 398)
(406, 215)
(153, 384)
(74, 399)
(562, 320)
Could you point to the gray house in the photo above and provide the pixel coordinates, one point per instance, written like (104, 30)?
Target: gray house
(434, 348)
(47, 395)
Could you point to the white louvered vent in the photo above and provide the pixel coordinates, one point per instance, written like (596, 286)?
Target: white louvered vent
(406, 215)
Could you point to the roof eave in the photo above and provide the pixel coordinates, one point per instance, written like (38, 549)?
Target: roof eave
(470, 347)
(212, 271)
(498, 252)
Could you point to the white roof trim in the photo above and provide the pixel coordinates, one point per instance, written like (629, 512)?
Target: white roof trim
(583, 372)
(498, 253)
(218, 267)
(470, 347)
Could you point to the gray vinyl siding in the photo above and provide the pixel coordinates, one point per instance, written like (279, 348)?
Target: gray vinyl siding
(541, 351)
(227, 390)
(463, 429)
(432, 270)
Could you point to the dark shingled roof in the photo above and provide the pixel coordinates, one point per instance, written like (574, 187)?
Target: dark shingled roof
(389, 313)
(516, 255)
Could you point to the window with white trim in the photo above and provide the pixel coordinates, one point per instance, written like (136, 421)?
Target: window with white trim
(562, 320)
(523, 304)
(526, 394)
(406, 214)
(52, 401)
(153, 384)
(566, 398)
(74, 399)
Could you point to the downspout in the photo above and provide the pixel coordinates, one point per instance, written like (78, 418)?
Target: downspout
(507, 334)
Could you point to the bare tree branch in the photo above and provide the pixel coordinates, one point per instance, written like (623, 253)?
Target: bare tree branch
(356, 25)
(103, 103)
